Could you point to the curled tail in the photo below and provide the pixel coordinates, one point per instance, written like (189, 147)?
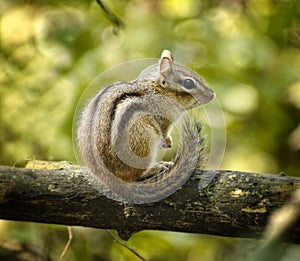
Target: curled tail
(187, 159)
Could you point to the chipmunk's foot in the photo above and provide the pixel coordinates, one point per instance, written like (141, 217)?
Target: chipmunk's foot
(155, 172)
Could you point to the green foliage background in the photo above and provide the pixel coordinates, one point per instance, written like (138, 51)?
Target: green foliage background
(248, 51)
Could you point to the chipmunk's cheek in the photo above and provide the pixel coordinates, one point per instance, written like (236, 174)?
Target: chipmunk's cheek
(193, 104)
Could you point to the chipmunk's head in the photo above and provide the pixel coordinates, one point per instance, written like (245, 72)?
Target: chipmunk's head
(189, 89)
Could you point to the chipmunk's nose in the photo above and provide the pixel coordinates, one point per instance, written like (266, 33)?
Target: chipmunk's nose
(206, 96)
(211, 95)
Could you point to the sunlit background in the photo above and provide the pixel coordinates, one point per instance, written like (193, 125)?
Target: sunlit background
(248, 52)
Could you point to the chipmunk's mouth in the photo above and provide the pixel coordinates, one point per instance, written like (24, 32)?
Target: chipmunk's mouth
(205, 98)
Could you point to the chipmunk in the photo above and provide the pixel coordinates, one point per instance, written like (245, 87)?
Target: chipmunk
(122, 127)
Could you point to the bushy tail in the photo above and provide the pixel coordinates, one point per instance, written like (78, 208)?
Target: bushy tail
(187, 159)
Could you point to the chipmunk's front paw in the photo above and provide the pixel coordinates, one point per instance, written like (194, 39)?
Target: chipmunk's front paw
(167, 143)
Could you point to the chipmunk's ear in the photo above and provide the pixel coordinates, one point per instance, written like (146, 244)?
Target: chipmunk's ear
(166, 63)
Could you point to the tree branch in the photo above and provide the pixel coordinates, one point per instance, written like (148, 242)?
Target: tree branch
(234, 204)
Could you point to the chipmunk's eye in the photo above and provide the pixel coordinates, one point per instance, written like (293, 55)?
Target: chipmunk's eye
(188, 83)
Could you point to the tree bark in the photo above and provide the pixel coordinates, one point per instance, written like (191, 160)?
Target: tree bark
(216, 202)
